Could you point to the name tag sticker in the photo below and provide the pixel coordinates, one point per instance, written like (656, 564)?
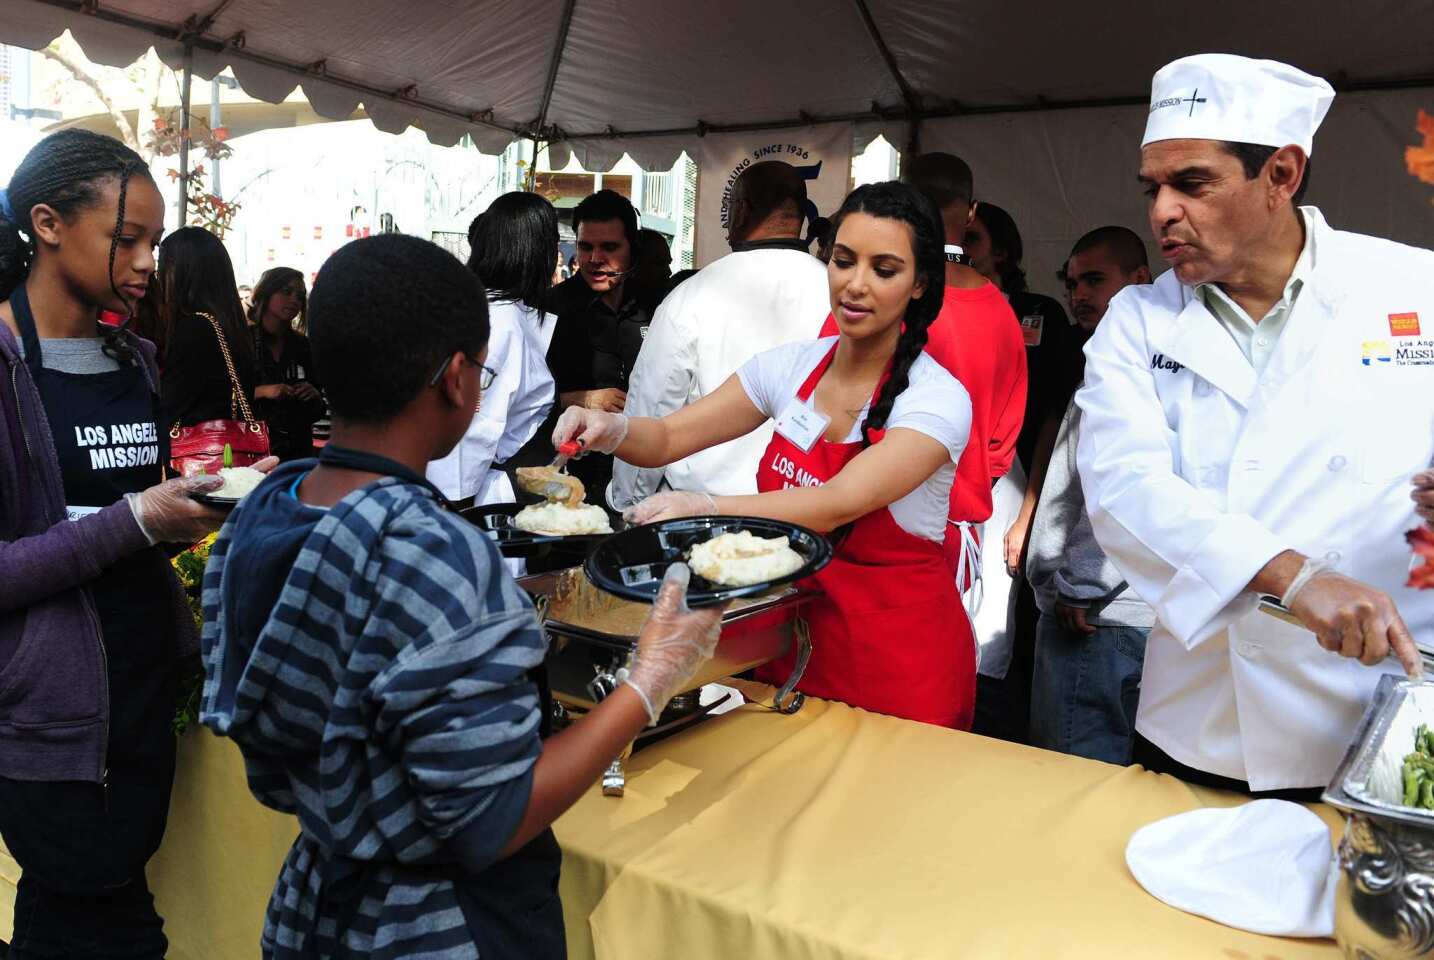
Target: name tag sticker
(74, 513)
(1031, 329)
(801, 424)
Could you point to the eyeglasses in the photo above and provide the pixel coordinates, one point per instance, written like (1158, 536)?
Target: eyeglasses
(486, 374)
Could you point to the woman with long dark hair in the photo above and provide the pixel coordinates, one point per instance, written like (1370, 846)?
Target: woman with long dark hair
(514, 244)
(195, 280)
(288, 399)
(868, 432)
(92, 620)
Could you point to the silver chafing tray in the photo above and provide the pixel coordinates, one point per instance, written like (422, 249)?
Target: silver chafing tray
(593, 634)
(1383, 902)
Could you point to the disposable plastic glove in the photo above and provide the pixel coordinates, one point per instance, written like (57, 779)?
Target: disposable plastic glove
(167, 512)
(669, 505)
(597, 431)
(1354, 620)
(673, 645)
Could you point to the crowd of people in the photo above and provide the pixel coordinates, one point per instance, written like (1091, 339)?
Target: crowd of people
(1105, 490)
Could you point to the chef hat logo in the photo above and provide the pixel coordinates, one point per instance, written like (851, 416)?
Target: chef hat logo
(1220, 96)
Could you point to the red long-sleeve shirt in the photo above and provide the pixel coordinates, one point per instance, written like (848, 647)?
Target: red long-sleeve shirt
(978, 340)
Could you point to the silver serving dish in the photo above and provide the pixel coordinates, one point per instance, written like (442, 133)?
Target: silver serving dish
(592, 635)
(1384, 902)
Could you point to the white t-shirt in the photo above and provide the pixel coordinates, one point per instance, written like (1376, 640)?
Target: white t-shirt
(732, 310)
(933, 403)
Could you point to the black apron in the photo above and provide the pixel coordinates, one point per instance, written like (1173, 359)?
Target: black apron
(87, 839)
(512, 908)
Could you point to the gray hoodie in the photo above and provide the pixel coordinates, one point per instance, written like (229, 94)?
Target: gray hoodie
(1063, 561)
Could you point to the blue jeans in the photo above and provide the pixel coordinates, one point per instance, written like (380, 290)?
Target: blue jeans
(1085, 690)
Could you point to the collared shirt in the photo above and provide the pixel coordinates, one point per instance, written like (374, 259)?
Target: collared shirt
(513, 409)
(1258, 340)
(733, 309)
(594, 347)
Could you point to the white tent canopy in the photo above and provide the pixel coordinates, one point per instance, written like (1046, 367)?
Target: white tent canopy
(647, 76)
(1046, 99)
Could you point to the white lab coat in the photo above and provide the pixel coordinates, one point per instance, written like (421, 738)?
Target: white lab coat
(1197, 471)
(733, 309)
(512, 408)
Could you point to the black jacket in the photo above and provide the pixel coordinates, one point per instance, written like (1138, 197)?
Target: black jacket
(195, 385)
(291, 422)
(594, 347)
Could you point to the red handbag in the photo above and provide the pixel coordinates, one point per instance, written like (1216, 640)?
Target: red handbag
(199, 448)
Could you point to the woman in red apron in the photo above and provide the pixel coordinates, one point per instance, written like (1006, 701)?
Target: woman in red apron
(868, 430)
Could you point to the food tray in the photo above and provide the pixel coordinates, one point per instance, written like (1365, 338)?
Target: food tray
(575, 605)
(1368, 780)
(218, 503)
(631, 564)
(496, 520)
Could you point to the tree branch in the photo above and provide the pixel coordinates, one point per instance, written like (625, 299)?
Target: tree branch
(149, 102)
(82, 73)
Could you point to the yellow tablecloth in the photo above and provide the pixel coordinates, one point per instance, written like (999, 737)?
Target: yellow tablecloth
(832, 833)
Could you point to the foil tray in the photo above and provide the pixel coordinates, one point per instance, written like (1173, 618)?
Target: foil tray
(616, 621)
(1368, 779)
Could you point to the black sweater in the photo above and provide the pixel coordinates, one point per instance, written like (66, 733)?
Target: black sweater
(194, 385)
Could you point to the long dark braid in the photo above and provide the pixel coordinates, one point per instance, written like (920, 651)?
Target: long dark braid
(66, 171)
(116, 344)
(897, 201)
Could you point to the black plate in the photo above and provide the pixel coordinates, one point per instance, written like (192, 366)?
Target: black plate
(219, 503)
(496, 520)
(631, 564)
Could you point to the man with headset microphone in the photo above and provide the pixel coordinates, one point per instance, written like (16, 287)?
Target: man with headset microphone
(601, 325)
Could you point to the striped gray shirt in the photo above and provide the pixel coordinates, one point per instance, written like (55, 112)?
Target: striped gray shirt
(371, 662)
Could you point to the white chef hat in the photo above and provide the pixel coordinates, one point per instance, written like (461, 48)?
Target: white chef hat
(1219, 96)
(1266, 866)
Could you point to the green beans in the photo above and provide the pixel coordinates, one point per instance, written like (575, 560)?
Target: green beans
(1418, 771)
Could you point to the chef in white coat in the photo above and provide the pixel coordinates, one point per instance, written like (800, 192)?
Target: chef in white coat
(1252, 422)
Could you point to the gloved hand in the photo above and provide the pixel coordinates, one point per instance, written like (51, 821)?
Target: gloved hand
(669, 505)
(1354, 620)
(167, 512)
(599, 432)
(674, 643)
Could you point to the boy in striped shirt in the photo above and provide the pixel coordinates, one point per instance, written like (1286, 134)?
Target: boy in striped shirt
(371, 656)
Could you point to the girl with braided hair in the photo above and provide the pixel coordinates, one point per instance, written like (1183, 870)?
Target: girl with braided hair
(92, 620)
(868, 432)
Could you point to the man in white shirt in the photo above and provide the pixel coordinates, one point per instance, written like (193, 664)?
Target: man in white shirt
(769, 291)
(1251, 422)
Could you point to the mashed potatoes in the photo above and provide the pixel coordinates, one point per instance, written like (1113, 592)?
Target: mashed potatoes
(557, 520)
(239, 482)
(741, 559)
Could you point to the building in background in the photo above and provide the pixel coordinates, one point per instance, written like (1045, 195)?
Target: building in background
(306, 191)
(306, 184)
(22, 121)
(664, 198)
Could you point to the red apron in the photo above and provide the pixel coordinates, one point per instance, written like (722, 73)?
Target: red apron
(888, 634)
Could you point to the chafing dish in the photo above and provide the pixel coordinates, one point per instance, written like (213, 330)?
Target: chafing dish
(1384, 902)
(592, 635)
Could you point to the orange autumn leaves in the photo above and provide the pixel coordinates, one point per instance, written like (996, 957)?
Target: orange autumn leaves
(1421, 540)
(1420, 160)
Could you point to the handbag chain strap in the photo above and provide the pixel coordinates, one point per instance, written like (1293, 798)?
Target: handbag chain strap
(236, 395)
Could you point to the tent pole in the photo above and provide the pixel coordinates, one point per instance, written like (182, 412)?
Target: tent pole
(913, 138)
(554, 62)
(530, 182)
(185, 84)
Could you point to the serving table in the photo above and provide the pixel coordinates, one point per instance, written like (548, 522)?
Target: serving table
(832, 833)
